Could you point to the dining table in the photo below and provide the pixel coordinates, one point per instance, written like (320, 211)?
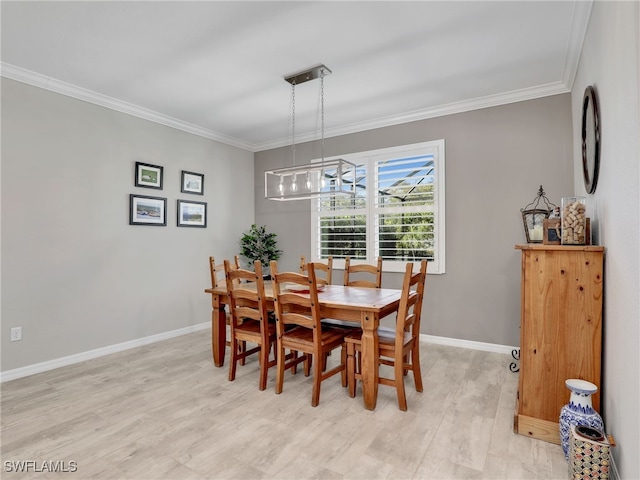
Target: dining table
(356, 304)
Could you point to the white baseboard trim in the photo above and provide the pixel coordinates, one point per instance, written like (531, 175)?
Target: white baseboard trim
(471, 345)
(98, 352)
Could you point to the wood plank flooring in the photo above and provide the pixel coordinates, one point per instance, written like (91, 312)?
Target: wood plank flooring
(163, 411)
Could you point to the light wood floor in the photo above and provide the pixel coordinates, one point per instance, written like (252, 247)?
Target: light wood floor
(163, 411)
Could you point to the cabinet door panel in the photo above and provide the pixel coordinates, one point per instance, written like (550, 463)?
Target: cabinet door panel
(561, 327)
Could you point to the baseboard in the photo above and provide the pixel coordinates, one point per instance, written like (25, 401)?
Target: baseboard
(98, 352)
(471, 345)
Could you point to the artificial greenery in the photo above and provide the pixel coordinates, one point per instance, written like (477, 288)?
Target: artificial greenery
(258, 244)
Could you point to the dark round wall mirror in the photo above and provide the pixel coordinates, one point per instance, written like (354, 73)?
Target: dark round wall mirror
(590, 139)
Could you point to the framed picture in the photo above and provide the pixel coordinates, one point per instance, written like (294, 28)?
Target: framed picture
(145, 210)
(192, 214)
(551, 234)
(192, 183)
(148, 176)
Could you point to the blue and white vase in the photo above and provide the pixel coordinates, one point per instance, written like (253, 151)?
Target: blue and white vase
(579, 411)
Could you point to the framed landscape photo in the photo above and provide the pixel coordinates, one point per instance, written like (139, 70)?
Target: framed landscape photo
(192, 183)
(192, 214)
(149, 176)
(144, 210)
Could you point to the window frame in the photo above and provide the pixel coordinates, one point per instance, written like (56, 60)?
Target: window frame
(369, 159)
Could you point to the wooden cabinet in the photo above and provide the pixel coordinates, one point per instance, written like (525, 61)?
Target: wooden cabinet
(560, 332)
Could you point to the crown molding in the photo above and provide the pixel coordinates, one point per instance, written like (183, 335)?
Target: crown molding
(578, 31)
(64, 88)
(58, 86)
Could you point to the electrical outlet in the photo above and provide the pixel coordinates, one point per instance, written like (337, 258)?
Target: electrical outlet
(16, 334)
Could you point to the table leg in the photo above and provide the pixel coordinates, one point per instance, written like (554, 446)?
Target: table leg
(218, 330)
(369, 360)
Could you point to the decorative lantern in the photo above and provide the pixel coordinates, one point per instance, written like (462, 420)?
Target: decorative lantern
(533, 216)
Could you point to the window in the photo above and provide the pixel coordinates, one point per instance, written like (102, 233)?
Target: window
(397, 212)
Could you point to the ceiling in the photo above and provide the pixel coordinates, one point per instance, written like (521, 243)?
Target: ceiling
(217, 68)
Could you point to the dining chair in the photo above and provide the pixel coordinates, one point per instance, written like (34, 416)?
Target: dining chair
(359, 275)
(325, 268)
(363, 274)
(218, 280)
(249, 319)
(297, 307)
(399, 347)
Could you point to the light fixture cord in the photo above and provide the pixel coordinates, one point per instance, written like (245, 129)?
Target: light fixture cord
(293, 121)
(322, 116)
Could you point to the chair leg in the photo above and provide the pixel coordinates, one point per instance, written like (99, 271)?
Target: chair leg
(264, 365)
(308, 362)
(317, 379)
(351, 368)
(399, 381)
(280, 368)
(343, 362)
(242, 348)
(233, 360)
(415, 363)
(293, 355)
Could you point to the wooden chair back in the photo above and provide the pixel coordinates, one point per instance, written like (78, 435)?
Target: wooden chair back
(246, 293)
(217, 272)
(294, 308)
(410, 310)
(324, 268)
(249, 317)
(363, 275)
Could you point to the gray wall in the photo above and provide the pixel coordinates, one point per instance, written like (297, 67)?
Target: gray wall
(75, 275)
(496, 159)
(611, 63)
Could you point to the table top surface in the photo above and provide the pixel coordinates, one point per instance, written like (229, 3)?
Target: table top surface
(339, 296)
(542, 246)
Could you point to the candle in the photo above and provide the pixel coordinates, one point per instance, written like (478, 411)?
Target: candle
(535, 233)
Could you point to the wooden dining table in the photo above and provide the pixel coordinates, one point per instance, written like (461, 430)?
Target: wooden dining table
(356, 304)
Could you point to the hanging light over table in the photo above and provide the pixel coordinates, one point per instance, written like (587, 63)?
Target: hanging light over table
(326, 177)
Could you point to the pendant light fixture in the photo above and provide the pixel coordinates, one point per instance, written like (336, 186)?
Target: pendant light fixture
(324, 177)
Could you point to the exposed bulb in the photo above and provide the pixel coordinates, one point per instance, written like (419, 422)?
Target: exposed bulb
(281, 185)
(308, 181)
(323, 181)
(294, 185)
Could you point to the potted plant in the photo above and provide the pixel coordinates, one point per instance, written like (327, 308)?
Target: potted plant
(258, 244)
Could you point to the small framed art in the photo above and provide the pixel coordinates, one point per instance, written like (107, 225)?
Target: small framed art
(192, 214)
(192, 183)
(551, 231)
(144, 210)
(148, 176)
